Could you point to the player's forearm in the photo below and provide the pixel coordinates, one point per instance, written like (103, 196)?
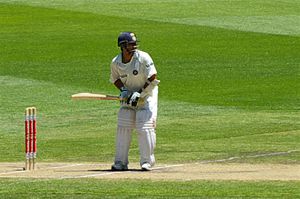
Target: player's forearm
(148, 82)
(119, 84)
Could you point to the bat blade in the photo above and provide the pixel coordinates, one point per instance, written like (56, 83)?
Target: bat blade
(94, 96)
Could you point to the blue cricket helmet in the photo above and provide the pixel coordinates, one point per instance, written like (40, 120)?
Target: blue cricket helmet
(127, 38)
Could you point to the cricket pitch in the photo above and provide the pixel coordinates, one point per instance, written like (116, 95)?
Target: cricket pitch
(163, 172)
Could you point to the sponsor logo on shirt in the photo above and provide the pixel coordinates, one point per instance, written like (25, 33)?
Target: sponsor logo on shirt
(148, 65)
(123, 76)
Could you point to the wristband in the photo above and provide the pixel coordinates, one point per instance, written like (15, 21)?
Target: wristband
(123, 88)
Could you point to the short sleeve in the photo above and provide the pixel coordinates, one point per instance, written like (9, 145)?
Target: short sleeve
(113, 72)
(149, 66)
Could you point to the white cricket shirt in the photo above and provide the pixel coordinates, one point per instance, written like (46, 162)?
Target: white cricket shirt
(135, 73)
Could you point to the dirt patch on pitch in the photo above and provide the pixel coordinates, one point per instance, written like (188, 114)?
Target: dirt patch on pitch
(182, 172)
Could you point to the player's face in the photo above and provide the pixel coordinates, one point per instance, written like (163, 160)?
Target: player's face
(131, 47)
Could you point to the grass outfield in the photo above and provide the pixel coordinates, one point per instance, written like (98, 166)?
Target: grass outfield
(230, 86)
(91, 188)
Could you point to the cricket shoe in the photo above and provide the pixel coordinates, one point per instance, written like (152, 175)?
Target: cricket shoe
(146, 167)
(119, 167)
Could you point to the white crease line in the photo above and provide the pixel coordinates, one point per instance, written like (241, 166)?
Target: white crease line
(74, 165)
(249, 156)
(221, 160)
(118, 172)
(12, 172)
(168, 166)
(64, 166)
(58, 167)
(232, 158)
(272, 154)
(92, 175)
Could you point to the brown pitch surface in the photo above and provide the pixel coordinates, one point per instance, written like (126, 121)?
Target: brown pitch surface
(181, 172)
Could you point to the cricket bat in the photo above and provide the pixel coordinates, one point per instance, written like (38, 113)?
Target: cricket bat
(94, 96)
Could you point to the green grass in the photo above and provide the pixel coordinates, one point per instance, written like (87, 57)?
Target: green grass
(142, 189)
(229, 74)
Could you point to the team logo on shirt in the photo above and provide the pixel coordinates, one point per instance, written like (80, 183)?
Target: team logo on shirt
(135, 72)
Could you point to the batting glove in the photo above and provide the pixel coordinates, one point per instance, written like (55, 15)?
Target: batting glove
(123, 95)
(133, 99)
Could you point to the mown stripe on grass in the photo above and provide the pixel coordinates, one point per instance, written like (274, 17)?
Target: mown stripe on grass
(94, 188)
(271, 17)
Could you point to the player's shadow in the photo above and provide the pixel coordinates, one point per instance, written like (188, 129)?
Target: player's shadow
(109, 170)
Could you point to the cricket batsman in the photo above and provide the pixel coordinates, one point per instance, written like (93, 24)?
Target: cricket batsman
(134, 74)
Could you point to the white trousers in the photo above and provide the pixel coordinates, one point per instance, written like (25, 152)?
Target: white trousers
(144, 121)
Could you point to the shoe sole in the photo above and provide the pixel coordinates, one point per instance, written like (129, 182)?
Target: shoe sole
(146, 169)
